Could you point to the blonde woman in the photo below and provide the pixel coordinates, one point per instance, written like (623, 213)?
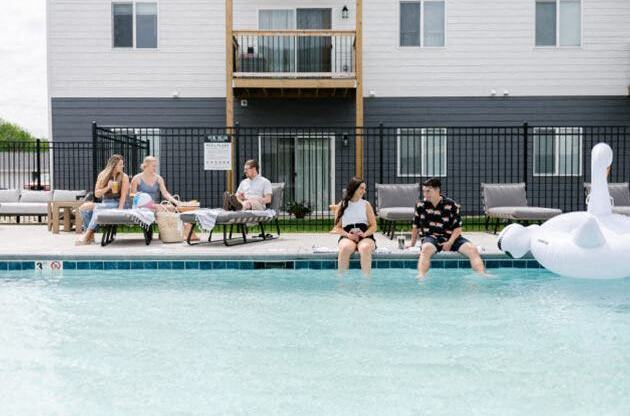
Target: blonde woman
(153, 184)
(112, 186)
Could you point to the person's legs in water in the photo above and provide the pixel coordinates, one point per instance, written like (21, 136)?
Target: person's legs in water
(346, 248)
(428, 249)
(366, 247)
(476, 262)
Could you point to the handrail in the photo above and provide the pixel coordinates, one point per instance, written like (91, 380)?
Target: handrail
(289, 32)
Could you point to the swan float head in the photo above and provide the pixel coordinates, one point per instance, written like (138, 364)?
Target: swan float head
(598, 201)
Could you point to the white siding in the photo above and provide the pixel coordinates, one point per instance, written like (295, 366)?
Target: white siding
(190, 57)
(490, 45)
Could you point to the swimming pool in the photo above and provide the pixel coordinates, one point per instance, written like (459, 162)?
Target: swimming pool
(199, 342)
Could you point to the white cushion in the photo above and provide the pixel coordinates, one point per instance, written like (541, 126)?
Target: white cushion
(35, 196)
(64, 195)
(9, 195)
(20, 208)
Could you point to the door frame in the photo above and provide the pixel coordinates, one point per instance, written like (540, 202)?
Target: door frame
(332, 154)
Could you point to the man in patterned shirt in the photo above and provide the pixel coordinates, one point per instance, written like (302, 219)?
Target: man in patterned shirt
(438, 220)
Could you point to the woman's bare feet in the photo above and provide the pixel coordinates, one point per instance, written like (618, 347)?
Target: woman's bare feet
(83, 241)
(86, 239)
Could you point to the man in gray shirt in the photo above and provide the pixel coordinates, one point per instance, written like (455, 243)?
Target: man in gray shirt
(253, 193)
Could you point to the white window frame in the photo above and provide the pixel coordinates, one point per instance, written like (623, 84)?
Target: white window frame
(557, 132)
(134, 24)
(557, 45)
(421, 46)
(423, 146)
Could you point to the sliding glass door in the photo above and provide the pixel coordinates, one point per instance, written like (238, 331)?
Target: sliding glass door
(278, 52)
(314, 52)
(304, 163)
(291, 53)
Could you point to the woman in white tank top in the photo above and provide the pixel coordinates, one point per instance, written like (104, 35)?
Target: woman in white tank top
(355, 222)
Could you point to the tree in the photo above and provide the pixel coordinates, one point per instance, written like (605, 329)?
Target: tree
(12, 133)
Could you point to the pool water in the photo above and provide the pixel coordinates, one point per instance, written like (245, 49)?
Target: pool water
(311, 342)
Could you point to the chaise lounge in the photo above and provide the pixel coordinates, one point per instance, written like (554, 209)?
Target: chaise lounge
(109, 220)
(620, 193)
(508, 202)
(241, 220)
(395, 203)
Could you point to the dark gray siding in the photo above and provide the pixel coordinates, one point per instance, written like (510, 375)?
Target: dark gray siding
(474, 156)
(499, 111)
(72, 117)
(279, 112)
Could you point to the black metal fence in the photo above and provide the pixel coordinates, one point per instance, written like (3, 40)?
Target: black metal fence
(127, 143)
(40, 165)
(316, 163)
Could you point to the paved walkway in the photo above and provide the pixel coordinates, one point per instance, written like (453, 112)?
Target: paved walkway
(35, 242)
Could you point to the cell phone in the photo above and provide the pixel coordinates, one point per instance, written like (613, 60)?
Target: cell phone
(355, 230)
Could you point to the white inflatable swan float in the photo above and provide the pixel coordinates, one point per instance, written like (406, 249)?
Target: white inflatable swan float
(593, 244)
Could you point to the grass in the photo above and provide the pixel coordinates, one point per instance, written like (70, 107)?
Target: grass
(324, 225)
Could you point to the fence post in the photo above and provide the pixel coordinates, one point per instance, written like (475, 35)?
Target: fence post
(525, 151)
(94, 152)
(381, 138)
(38, 149)
(235, 168)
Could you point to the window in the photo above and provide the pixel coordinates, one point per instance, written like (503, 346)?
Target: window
(143, 28)
(421, 152)
(146, 25)
(558, 23)
(558, 151)
(152, 136)
(428, 15)
(409, 23)
(123, 25)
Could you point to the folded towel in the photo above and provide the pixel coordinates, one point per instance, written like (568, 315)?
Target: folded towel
(382, 250)
(325, 249)
(207, 218)
(141, 216)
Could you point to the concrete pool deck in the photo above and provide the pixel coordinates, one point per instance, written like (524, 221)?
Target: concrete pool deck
(35, 242)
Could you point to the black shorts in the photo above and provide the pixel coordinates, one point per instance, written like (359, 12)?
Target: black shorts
(436, 243)
(362, 227)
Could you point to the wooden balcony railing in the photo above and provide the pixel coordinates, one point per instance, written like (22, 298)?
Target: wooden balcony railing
(294, 54)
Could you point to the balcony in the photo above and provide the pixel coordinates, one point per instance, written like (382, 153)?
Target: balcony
(300, 61)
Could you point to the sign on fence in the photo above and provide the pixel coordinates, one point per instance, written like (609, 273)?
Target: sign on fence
(217, 153)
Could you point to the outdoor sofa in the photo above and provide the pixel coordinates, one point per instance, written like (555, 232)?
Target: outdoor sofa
(228, 220)
(395, 203)
(620, 194)
(508, 202)
(20, 203)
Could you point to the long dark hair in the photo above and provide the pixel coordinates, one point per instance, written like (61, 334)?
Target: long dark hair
(350, 190)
